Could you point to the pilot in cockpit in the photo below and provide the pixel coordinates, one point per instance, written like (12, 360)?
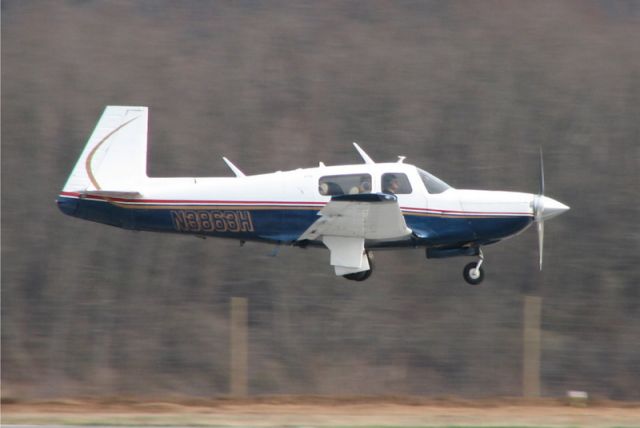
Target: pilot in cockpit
(390, 184)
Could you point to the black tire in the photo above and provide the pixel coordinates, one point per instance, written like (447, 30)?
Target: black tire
(358, 276)
(466, 273)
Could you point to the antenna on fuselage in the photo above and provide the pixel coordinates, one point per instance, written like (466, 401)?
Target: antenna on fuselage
(363, 154)
(233, 168)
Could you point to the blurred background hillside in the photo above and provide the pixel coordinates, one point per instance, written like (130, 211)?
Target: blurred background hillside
(467, 90)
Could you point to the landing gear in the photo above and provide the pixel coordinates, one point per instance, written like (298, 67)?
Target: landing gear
(358, 276)
(361, 276)
(473, 272)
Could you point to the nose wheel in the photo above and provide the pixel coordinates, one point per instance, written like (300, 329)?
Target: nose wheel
(473, 272)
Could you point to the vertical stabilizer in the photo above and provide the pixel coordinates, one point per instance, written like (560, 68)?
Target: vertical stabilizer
(115, 157)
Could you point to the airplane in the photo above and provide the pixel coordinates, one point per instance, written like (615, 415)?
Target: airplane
(352, 210)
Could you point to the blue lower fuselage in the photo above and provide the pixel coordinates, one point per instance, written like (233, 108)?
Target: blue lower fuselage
(285, 224)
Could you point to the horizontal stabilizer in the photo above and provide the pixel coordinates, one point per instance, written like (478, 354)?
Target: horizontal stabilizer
(110, 194)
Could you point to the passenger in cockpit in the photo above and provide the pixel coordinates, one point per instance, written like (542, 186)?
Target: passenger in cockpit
(363, 187)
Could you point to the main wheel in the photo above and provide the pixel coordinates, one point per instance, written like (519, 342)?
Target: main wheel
(471, 275)
(358, 276)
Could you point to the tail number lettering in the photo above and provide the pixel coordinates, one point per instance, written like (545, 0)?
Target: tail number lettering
(212, 221)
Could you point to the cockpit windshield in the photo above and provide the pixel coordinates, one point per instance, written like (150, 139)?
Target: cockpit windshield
(433, 184)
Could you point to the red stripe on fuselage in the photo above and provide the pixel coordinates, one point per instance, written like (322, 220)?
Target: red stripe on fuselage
(436, 211)
(186, 201)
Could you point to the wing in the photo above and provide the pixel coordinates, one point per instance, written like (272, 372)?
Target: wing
(348, 220)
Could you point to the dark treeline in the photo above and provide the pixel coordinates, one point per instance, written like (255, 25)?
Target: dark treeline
(467, 90)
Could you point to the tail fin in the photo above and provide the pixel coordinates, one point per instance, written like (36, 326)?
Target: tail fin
(115, 157)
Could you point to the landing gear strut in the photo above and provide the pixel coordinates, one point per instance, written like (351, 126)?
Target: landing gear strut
(473, 272)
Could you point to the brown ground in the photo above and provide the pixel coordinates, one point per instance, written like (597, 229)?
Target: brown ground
(320, 411)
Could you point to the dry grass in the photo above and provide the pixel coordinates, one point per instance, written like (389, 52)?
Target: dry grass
(321, 411)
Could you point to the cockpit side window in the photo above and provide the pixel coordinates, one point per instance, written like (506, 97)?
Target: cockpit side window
(433, 184)
(333, 185)
(396, 183)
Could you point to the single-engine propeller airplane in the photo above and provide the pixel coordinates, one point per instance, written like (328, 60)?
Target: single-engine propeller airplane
(350, 209)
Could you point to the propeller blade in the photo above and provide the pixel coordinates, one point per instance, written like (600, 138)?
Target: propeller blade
(540, 225)
(541, 173)
(538, 211)
(544, 208)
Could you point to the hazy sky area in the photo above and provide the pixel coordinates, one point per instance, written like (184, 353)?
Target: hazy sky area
(467, 90)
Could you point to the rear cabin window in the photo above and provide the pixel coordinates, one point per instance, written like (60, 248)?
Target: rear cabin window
(351, 184)
(396, 183)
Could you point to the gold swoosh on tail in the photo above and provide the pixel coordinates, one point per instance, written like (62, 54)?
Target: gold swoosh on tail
(95, 149)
